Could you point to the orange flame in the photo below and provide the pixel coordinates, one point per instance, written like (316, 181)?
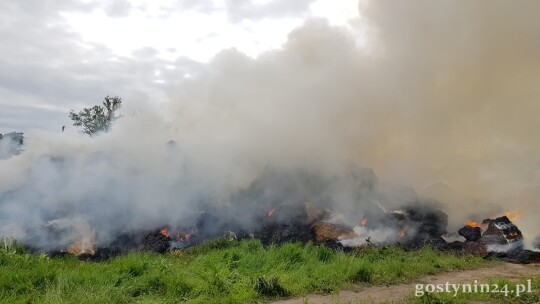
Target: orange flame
(165, 232)
(402, 234)
(471, 224)
(80, 246)
(183, 237)
(363, 222)
(270, 212)
(513, 215)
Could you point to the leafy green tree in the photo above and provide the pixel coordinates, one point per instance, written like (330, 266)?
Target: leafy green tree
(97, 118)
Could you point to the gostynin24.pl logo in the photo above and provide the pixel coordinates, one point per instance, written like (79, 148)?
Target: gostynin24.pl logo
(475, 287)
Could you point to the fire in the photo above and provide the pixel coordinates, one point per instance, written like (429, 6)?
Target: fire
(83, 238)
(363, 222)
(402, 234)
(183, 237)
(513, 215)
(81, 246)
(165, 232)
(471, 224)
(270, 212)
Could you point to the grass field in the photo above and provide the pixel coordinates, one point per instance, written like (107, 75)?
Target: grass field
(221, 271)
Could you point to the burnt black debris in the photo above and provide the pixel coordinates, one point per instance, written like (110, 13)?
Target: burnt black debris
(295, 206)
(429, 222)
(288, 223)
(517, 255)
(455, 246)
(471, 234)
(157, 242)
(502, 226)
(495, 238)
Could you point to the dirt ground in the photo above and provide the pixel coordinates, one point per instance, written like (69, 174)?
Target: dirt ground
(396, 293)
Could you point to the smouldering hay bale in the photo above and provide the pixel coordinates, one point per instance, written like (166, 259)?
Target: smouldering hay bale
(325, 231)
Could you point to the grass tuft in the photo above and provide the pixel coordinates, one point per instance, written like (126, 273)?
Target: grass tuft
(363, 275)
(270, 287)
(10, 246)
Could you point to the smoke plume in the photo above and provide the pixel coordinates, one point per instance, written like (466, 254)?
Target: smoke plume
(443, 97)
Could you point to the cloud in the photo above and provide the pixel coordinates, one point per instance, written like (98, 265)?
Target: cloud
(204, 6)
(23, 117)
(47, 66)
(118, 8)
(239, 10)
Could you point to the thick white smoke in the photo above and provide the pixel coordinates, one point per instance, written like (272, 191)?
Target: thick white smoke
(444, 98)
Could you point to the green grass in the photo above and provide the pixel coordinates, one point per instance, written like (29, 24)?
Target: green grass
(221, 271)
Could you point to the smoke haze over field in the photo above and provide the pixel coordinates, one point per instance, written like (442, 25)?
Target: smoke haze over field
(444, 98)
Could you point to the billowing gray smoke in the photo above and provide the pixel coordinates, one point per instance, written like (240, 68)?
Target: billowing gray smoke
(92, 198)
(11, 144)
(536, 243)
(444, 97)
